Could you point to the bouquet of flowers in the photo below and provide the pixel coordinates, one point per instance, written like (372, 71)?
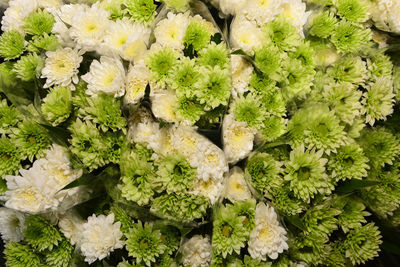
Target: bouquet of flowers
(199, 133)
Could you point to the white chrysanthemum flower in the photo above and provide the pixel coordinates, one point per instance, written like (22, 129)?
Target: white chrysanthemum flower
(386, 15)
(196, 252)
(135, 47)
(163, 105)
(106, 75)
(100, 237)
(241, 75)
(49, 4)
(211, 189)
(210, 162)
(230, 7)
(171, 31)
(245, 35)
(29, 192)
(186, 140)
(89, 26)
(71, 225)
(237, 139)
(63, 17)
(18, 10)
(267, 238)
(201, 153)
(11, 225)
(125, 38)
(61, 67)
(236, 188)
(137, 79)
(261, 11)
(295, 11)
(147, 133)
(38, 188)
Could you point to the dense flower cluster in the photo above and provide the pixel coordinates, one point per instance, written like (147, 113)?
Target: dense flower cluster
(158, 133)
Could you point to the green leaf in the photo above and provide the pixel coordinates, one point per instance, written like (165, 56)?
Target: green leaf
(354, 185)
(296, 221)
(239, 52)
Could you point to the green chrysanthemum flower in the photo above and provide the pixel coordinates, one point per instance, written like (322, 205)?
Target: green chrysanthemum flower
(352, 213)
(105, 111)
(305, 53)
(39, 22)
(184, 76)
(306, 172)
(12, 44)
(273, 128)
(348, 163)
(3, 186)
(60, 255)
(281, 33)
(28, 67)
(79, 96)
(320, 222)
(249, 109)
(115, 7)
(396, 82)
(123, 217)
(165, 260)
(324, 130)
(138, 177)
(394, 220)
(214, 55)
(40, 234)
(384, 198)
(323, 24)
(161, 62)
(246, 209)
(350, 38)
(214, 87)
(284, 200)
(380, 146)
(316, 127)
(379, 65)
(250, 262)
(87, 144)
(268, 60)
(378, 101)
(189, 109)
(43, 42)
(344, 99)
(263, 172)
(175, 174)
(229, 232)
(197, 35)
(178, 5)
(354, 130)
(19, 255)
(10, 117)
(362, 244)
(31, 139)
(144, 243)
(273, 102)
(349, 69)
(141, 10)
(321, 2)
(352, 10)
(180, 207)
(335, 258)
(170, 236)
(57, 105)
(261, 82)
(10, 157)
(114, 143)
(325, 52)
(297, 79)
